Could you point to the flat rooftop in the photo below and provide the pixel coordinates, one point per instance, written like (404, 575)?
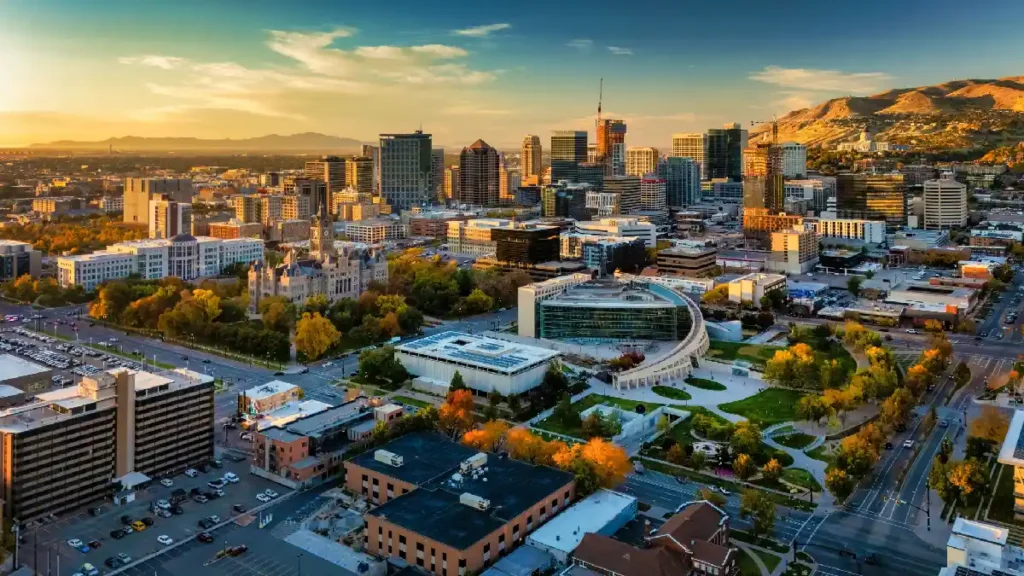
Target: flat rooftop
(427, 456)
(290, 412)
(478, 351)
(264, 391)
(13, 367)
(434, 510)
(1012, 451)
(317, 423)
(592, 514)
(613, 294)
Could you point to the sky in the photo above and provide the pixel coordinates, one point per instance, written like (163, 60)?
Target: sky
(90, 70)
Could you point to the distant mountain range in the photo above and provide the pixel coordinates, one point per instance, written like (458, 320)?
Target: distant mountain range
(961, 114)
(309, 142)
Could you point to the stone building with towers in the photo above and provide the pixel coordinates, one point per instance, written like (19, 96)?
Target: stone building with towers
(324, 270)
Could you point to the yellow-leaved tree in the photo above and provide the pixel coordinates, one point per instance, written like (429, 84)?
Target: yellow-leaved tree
(315, 335)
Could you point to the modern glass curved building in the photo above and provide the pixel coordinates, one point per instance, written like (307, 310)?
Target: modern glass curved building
(614, 310)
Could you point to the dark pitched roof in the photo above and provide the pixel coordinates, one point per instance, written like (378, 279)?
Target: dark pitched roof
(698, 521)
(621, 558)
(479, 145)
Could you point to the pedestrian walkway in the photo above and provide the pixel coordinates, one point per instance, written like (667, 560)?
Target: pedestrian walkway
(749, 550)
(802, 460)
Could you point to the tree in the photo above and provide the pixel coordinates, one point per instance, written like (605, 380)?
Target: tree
(278, 313)
(746, 438)
(853, 285)
(839, 483)
(961, 374)
(756, 505)
(896, 407)
(772, 471)
(488, 437)
(455, 416)
(676, 455)
(566, 414)
(716, 296)
(931, 325)
(968, 476)
(478, 302)
(457, 382)
(315, 335)
(744, 466)
(378, 366)
(698, 461)
(811, 408)
(991, 425)
(317, 303)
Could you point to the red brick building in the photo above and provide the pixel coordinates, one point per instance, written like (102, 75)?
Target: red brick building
(693, 541)
(449, 509)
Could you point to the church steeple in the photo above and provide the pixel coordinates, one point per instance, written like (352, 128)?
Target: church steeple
(321, 229)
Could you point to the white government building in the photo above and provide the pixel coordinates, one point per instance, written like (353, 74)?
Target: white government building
(184, 256)
(486, 364)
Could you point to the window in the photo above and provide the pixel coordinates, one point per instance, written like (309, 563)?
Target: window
(401, 539)
(487, 548)
(419, 546)
(501, 537)
(376, 482)
(380, 530)
(365, 478)
(391, 487)
(462, 562)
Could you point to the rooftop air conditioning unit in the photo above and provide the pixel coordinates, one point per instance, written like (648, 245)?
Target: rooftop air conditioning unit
(474, 501)
(474, 462)
(389, 458)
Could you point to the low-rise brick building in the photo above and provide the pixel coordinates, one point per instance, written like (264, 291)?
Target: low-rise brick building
(449, 509)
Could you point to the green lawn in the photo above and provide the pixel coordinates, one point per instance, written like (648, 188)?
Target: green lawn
(747, 565)
(1002, 498)
(767, 407)
(704, 383)
(673, 393)
(828, 349)
(821, 453)
(797, 569)
(756, 354)
(796, 441)
(709, 479)
(411, 401)
(681, 431)
(768, 453)
(764, 542)
(554, 425)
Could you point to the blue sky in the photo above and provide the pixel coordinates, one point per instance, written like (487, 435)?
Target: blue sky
(464, 70)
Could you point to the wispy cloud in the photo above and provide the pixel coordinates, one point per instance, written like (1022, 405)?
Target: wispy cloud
(581, 44)
(823, 80)
(620, 51)
(795, 101)
(481, 31)
(164, 62)
(317, 66)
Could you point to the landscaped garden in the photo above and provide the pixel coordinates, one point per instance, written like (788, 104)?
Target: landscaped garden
(562, 423)
(822, 453)
(795, 476)
(705, 384)
(770, 406)
(669, 392)
(729, 351)
(797, 440)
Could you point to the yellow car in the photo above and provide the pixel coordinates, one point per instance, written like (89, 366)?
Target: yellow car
(138, 526)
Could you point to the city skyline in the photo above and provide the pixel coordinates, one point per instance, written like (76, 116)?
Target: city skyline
(93, 71)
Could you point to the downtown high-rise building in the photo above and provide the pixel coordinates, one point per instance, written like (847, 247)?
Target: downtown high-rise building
(329, 169)
(763, 181)
(531, 160)
(359, 173)
(168, 217)
(373, 153)
(405, 164)
(872, 197)
(479, 175)
(139, 191)
(611, 146)
(652, 193)
(436, 172)
(627, 192)
(724, 152)
(509, 180)
(591, 173)
(692, 145)
(450, 190)
(682, 181)
(568, 151)
(641, 161)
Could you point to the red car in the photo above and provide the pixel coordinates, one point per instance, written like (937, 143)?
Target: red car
(204, 537)
(237, 550)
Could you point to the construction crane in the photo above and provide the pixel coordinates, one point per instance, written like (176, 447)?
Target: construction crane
(775, 128)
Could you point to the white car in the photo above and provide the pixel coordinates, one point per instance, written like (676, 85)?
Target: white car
(165, 540)
(911, 331)
(112, 339)
(231, 477)
(725, 492)
(191, 473)
(908, 444)
(163, 504)
(263, 497)
(167, 482)
(75, 543)
(270, 493)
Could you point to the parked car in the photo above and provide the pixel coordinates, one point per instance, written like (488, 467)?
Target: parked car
(126, 520)
(147, 521)
(215, 484)
(117, 534)
(163, 513)
(90, 570)
(263, 497)
(177, 510)
(112, 562)
(240, 508)
(95, 511)
(271, 493)
(167, 482)
(237, 550)
(124, 558)
(138, 526)
(201, 499)
(165, 539)
(191, 473)
(204, 537)
(231, 477)
(94, 544)
(205, 523)
(163, 504)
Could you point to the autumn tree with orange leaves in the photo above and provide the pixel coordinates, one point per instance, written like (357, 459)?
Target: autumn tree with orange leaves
(490, 437)
(455, 416)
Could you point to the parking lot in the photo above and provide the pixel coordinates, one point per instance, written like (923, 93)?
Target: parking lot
(68, 360)
(53, 537)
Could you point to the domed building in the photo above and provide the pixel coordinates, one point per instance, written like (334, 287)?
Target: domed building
(324, 271)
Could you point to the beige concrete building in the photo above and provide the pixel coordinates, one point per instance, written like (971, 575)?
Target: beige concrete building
(752, 287)
(945, 204)
(66, 448)
(359, 173)
(531, 162)
(139, 191)
(295, 207)
(794, 251)
(641, 161)
(168, 218)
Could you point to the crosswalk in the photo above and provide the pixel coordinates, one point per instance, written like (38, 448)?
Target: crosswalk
(980, 362)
